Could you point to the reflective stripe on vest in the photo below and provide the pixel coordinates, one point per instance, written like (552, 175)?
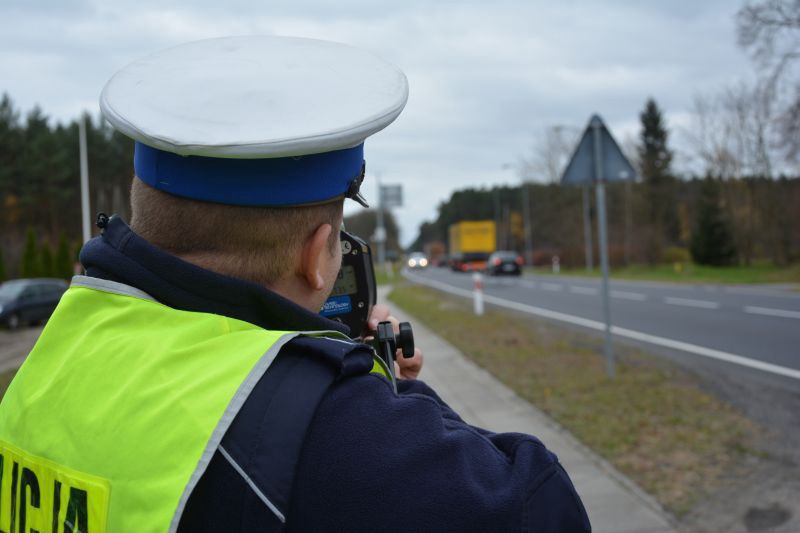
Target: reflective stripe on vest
(117, 411)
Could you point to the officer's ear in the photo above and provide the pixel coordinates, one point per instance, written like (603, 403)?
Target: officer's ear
(316, 257)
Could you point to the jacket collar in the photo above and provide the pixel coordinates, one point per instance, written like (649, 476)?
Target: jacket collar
(121, 255)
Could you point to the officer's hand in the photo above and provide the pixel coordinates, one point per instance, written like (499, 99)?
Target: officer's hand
(403, 368)
(408, 368)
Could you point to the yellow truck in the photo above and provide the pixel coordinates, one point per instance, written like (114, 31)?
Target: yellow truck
(471, 243)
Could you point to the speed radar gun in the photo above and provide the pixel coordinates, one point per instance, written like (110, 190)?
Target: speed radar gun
(353, 296)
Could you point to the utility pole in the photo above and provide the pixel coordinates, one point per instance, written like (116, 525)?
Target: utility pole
(628, 223)
(85, 208)
(380, 230)
(526, 214)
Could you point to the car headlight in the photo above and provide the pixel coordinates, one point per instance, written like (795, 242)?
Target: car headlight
(423, 262)
(412, 262)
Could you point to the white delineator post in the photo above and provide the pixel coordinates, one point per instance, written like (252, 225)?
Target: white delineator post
(477, 281)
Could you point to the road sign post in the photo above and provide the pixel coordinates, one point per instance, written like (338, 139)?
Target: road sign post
(600, 197)
(587, 229)
(597, 160)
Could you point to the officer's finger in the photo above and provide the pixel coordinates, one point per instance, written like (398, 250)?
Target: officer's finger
(395, 324)
(378, 314)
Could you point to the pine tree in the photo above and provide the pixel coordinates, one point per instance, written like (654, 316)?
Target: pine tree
(46, 261)
(2, 266)
(659, 184)
(30, 266)
(654, 155)
(63, 261)
(712, 239)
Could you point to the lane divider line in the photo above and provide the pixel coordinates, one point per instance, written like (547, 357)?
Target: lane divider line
(616, 330)
(625, 295)
(686, 302)
(583, 290)
(783, 313)
(551, 287)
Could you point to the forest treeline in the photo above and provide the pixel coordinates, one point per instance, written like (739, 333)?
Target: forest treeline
(710, 220)
(40, 187)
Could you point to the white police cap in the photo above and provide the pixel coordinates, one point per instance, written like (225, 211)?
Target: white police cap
(254, 120)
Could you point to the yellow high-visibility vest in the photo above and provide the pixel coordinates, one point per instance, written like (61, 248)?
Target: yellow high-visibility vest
(117, 411)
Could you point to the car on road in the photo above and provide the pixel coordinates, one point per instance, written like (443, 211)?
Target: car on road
(29, 301)
(469, 262)
(417, 260)
(504, 262)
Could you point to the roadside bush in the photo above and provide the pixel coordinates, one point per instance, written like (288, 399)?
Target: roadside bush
(675, 254)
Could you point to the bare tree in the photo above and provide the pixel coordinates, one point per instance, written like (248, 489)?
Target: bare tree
(732, 132)
(710, 136)
(551, 151)
(770, 31)
(748, 113)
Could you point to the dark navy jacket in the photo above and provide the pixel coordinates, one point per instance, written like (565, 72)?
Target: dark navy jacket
(372, 459)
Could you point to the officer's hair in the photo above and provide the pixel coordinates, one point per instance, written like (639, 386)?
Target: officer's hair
(257, 244)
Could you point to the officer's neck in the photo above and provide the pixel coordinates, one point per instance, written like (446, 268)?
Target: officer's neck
(294, 287)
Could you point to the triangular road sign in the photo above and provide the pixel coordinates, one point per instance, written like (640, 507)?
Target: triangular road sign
(582, 168)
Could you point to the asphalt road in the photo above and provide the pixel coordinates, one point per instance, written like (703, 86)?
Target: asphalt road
(758, 324)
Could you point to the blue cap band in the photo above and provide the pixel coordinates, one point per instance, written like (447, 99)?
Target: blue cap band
(283, 181)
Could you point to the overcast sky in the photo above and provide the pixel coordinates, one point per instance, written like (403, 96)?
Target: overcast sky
(485, 77)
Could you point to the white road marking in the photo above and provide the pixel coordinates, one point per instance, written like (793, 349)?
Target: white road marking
(625, 295)
(616, 330)
(772, 292)
(551, 287)
(704, 304)
(583, 290)
(783, 313)
(528, 284)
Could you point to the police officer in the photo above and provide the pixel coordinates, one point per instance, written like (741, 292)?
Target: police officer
(188, 383)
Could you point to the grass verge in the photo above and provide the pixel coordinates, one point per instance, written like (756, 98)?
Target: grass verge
(690, 273)
(388, 275)
(653, 422)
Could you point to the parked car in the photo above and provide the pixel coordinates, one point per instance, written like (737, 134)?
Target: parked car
(504, 262)
(417, 260)
(28, 301)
